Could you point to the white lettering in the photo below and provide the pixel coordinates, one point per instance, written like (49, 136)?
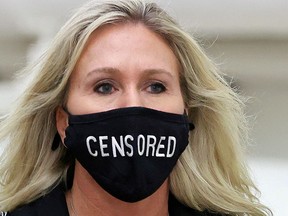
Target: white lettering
(115, 145)
(151, 142)
(103, 145)
(128, 145)
(171, 141)
(125, 145)
(91, 138)
(160, 146)
(140, 139)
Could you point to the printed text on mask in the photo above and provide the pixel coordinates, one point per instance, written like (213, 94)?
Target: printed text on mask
(144, 145)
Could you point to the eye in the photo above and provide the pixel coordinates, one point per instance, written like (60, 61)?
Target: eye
(156, 88)
(104, 88)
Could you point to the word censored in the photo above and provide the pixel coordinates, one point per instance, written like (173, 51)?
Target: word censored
(127, 146)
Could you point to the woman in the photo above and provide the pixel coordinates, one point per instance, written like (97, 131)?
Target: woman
(121, 87)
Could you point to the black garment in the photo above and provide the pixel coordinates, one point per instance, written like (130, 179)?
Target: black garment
(54, 204)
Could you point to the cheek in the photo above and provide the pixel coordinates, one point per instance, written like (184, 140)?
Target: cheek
(173, 103)
(77, 103)
(177, 102)
(176, 105)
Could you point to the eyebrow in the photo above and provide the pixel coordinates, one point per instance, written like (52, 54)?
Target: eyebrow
(158, 71)
(103, 70)
(115, 70)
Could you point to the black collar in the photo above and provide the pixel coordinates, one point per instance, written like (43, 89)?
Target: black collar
(54, 204)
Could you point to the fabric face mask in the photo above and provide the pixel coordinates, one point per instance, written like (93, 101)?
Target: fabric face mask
(129, 152)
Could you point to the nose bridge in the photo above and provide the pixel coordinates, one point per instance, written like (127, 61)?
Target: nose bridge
(131, 97)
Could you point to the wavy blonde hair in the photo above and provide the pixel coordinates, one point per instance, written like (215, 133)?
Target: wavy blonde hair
(209, 175)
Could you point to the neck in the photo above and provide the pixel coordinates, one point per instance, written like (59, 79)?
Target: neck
(86, 197)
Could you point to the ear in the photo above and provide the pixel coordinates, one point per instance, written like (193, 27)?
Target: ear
(61, 122)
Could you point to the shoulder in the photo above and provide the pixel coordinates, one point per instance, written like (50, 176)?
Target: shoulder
(54, 203)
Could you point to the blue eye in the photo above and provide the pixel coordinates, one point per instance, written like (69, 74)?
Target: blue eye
(104, 88)
(156, 88)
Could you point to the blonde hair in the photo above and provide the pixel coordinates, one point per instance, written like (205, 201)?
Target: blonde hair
(210, 175)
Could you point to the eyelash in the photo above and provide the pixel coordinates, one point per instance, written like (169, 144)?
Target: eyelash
(157, 85)
(103, 84)
(153, 87)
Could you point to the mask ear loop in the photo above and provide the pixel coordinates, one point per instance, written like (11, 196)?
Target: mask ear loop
(56, 142)
(191, 125)
(66, 110)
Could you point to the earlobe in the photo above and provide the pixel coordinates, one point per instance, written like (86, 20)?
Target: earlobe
(61, 122)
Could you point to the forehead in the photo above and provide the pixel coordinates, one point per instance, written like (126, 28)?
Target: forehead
(124, 46)
(131, 31)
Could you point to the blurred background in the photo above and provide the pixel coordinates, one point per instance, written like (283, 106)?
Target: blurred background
(248, 39)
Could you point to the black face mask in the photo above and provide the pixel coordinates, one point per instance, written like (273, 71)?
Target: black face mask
(129, 152)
